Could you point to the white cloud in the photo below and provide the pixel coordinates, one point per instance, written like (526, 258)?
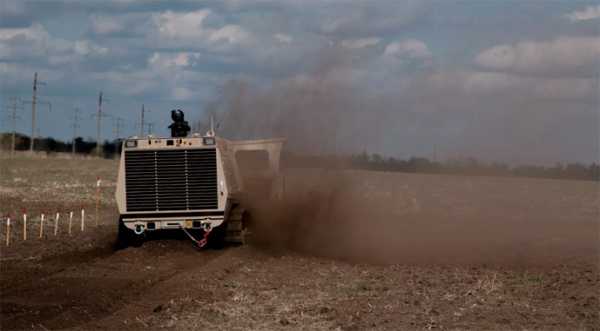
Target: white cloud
(186, 25)
(189, 28)
(171, 60)
(564, 56)
(410, 48)
(129, 83)
(589, 13)
(472, 83)
(26, 43)
(21, 74)
(182, 93)
(106, 25)
(283, 38)
(233, 34)
(36, 32)
(360, 43)
(176, 75)
(365, 18)
(127, 1)
(486, 82)
(85, 48)
(34, 44)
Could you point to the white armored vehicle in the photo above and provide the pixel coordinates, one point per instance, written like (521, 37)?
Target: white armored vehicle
(195, 184)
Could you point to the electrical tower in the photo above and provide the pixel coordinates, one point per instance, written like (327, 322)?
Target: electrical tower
(150, 127)
(13, 107)
(143, 124)
(118, 126)
(99, 116)
(34, 103)
(75, 126)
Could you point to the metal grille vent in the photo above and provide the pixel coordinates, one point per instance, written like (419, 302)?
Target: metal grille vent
(167, 180)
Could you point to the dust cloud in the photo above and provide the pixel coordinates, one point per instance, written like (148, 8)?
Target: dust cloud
(389, 217)
(318, 112)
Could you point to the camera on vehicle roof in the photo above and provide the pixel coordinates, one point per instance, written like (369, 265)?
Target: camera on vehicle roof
(180, 127)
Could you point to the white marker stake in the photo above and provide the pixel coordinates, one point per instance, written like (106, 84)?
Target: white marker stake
(42, 225)
(24, 226)
(98, 182)
(82, 219)
(56, 223)
(8, 231)
(70, 221)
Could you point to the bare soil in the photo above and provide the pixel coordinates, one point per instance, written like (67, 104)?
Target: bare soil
(343, 251)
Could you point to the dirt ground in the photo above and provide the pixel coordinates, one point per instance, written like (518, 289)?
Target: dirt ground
(346, 250)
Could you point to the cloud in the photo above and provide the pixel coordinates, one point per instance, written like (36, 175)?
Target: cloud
(408, 51)
(18, 44)
(182, 93)
(589, 13)
(17, 74)
(495, 83)
(283, 38)
(171, 60)
(106, 25)
(360, 43)
(341, 19)
(38, 48)
(180, 75)
(572, 56)
(86, 48)
(179, 52)
(190, 29)
(182, 25)
(14, 14)
(34, 32)
(233, 34)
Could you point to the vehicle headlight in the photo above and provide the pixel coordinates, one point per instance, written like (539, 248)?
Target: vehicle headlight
(131, 143)
(208, 141)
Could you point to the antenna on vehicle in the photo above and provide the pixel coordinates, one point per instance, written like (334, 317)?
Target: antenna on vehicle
(211, 132)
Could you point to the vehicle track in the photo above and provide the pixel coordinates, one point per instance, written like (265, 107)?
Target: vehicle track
(74, 289)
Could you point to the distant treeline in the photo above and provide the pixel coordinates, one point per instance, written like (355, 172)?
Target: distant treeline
(52, 145)
(467, 166)
(364, 161)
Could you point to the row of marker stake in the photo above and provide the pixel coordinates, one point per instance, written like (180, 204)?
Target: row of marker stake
(42, 221)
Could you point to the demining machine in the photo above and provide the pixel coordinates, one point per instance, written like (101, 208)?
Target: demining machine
(192, 183)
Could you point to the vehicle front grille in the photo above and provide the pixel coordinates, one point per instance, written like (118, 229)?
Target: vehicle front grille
(166, 180)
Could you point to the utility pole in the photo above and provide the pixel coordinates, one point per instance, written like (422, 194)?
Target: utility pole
(13, 107)
(98, 125)
(99, 116)
(33, 105)
(118, 125)
(142, 122)
(75, 125)
(150, 127)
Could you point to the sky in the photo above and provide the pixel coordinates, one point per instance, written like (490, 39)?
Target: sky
(510, 81)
